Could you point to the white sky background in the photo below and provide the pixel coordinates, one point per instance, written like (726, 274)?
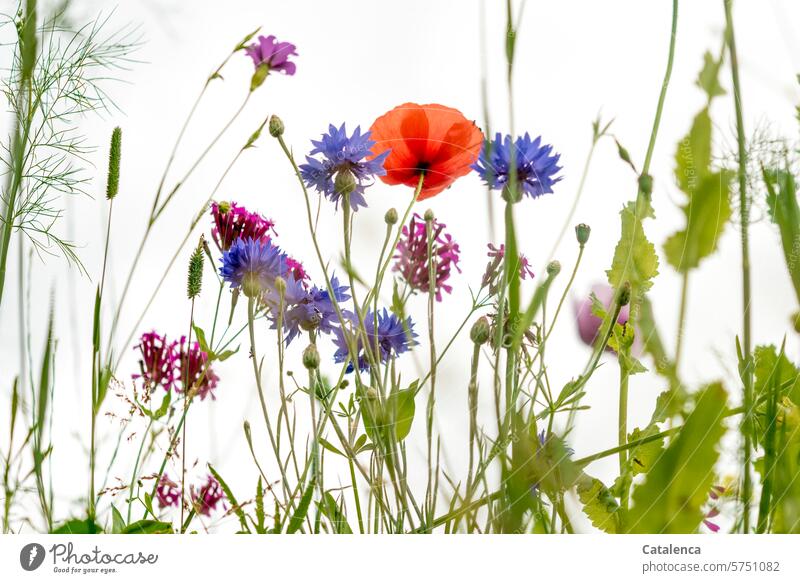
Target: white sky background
(357, 59)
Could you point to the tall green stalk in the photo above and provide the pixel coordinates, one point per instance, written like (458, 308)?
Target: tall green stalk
(746, 369)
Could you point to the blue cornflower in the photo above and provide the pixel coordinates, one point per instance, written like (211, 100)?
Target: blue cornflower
(393, 337)
(343, 166)
(536, 165)
(314, 310)
(253, 265)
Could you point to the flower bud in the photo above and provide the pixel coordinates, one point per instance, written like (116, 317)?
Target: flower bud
(224, 207)
(311, 357)
(582, 232)
(275, 126)
(391, 216)
(553, 268)
(646, 184)
(251, 285)
(280, 286)
(625, 294)
(429, 216)
(345, 182)
(480, 331)
(372, 394)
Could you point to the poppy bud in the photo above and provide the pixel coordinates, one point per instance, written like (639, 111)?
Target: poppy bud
(311, 357)
(480, 330)
(646, 184)
(553, 268)
(275, 126)
(345, 182)
(391, 216)
(582, 232)
(428, 216)
(625, 294)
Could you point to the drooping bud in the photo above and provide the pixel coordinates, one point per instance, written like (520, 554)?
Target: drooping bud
(480, 331)
(625, 294)
(114, 158)
(582, 232)
(391, 216)
(311, 357)
(276, 126)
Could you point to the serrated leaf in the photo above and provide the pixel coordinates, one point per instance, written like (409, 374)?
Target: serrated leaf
(707, 212)
(635, 259)
(708, 80)
(693, 156)
(671, 498)
(644, 456)
(785, 213)
(599, 504)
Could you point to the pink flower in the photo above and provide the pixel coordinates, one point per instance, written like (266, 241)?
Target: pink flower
(168, 493)
(268, 51)
(412, 255)
(232, 221)
(589, 324)
(194, 371)
(492, 277)
(157, 362)
(206, 497)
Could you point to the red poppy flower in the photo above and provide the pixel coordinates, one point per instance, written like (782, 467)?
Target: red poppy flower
(433, 139)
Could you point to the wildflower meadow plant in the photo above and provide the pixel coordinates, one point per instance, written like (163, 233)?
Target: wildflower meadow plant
(349, 348)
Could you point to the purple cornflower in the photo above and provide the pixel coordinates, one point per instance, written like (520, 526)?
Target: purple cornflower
(314, 310)
(275, 55)
(343, 166)
(412, 255)
(158, 361)
(253, 265)
(492, 277)
(168, 493)
(232, 222)
(393, 337)
(536, 165)
(194, 372)
(207, 496)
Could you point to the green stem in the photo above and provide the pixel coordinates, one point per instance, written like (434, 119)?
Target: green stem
(744, 220)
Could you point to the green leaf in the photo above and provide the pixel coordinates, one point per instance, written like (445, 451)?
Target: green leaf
(260, 516)
(707, 212)
(302, 509)
(671, 498)
(708, 80)
(333, 512)
(401, 404)
(148, 527)
(237, 509)
(78, 526)
(693, 156)
(644, 456)
(117, 522)
(201, 339)
(635, 258)
(225, 354)
(599, 504)
(330, 447)
(785, 212)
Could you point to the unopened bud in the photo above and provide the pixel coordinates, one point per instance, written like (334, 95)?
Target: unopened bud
(275, 126)
(224, 207)
(311, 357)
(582, 232)
(345, 182)
(480, 330)
(428, 216)
(553, 268)
(372, 394)
(391, 216)
(625, 294)
(646, 184)
(280, 286)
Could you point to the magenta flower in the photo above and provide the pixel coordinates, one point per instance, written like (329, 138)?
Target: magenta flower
(275, 55)
(207, 496)
(194, 371)
(412, 255)
(494, 269)
(157, 362)
(168, 493)
(589, 324)
(232, 221)
(714, 495)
